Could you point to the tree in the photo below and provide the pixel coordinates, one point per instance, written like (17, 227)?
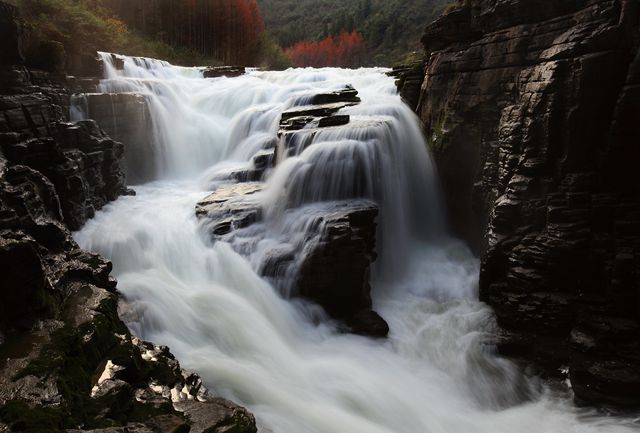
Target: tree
(345, 50)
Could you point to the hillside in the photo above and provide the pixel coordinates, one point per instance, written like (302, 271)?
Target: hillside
(65, 34)
(391, 28)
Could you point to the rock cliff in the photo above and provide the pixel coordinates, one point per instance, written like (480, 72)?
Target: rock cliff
(530, 108)
(68, 363)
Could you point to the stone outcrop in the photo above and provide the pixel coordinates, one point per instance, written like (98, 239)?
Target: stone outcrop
(331, 268)
(530, 110)
(126, 118)
(78, 158)
(68, 362)
(328, 263)
(223, 71)
(231, 207)
(335, 272)
(409, 79)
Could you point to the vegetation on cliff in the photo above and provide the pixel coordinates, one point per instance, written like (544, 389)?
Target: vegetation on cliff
(390, 28)
(65, 33)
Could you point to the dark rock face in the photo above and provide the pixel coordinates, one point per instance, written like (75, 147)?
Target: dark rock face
(529, 109)
(68, 362)
(231, 207)
(126, 118)
(67, 359)
(79, 159)
(10, 36)
(409, 80)
(335, 273)
(332, 270)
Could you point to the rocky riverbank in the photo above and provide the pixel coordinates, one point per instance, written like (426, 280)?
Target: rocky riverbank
(68, 363)
(530, 108)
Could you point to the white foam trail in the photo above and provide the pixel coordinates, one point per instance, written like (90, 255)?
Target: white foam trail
(434, 374)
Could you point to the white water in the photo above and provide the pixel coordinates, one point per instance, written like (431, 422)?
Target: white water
(435, 373)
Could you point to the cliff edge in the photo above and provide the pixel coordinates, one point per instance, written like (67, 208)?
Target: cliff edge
(531, 111)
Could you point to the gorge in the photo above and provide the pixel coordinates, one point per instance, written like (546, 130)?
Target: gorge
(287, 235)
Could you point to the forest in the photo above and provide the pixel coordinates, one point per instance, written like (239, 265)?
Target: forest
(60, 34)
(344, 50)
(268, 33)
(228, 30)
(390, 28)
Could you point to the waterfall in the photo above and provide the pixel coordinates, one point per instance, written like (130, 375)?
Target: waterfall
(281, 357)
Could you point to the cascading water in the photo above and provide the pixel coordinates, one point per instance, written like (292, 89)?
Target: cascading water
(435, 372)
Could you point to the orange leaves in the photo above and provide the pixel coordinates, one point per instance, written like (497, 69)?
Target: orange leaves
(345, 50)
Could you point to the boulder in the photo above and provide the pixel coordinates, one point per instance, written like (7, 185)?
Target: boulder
(334, 272)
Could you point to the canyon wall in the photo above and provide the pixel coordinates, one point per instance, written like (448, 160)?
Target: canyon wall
(531, 111)
(67, 360)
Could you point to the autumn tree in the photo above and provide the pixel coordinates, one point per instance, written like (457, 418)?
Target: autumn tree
(229, 30)
(344, 50)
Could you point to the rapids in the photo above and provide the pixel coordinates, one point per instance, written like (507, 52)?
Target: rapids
(436, 373)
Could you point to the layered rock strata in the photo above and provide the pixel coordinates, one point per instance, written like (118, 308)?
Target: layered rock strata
(68, 363)
(530, 110)
(409, 79)
(126, 118)
(331, 265)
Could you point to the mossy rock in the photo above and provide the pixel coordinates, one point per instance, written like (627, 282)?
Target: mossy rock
(76, 356)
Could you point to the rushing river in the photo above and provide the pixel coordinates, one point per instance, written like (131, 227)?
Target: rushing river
(436, 373)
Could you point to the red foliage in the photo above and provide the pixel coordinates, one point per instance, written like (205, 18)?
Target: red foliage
(344, 50)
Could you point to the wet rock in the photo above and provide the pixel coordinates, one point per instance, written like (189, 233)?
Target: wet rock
(82, 163)
(409, 80)
(126, 118)
(348, 94)
(231, 207)
(329, 264)
(68, 363)
(335, 272)
(223, 71)
(332, 270)
(368, 323)
(217, 416)
(527, 111)
(312, 111)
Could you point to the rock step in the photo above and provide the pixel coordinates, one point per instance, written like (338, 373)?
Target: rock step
(223, 71)
(312, 111)
(231, 207)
